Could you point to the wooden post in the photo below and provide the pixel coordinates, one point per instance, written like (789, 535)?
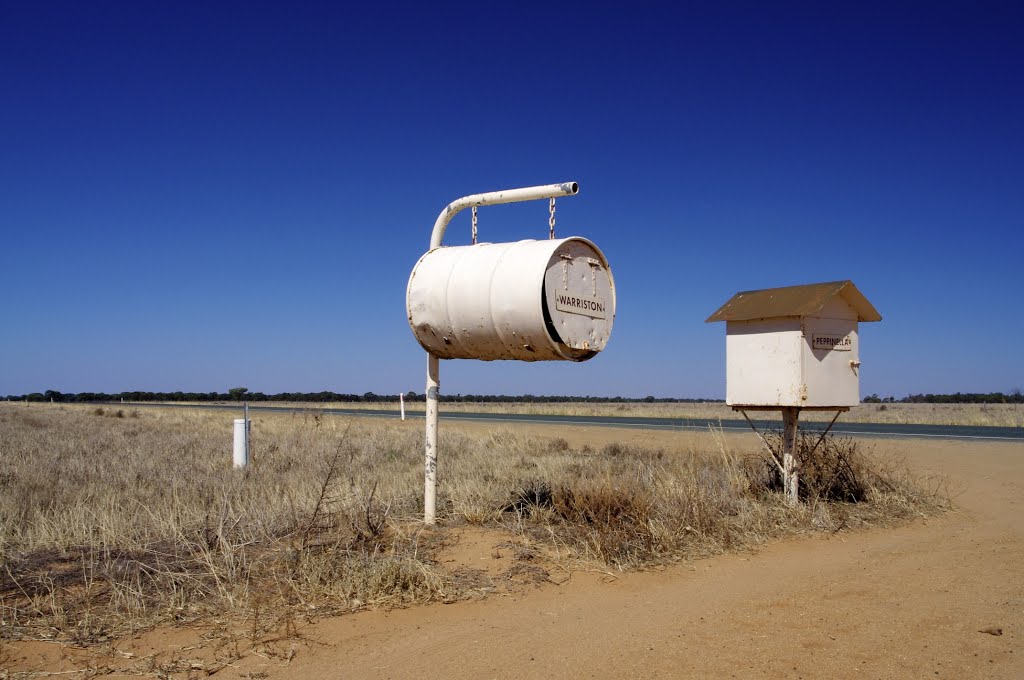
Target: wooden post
(248, 429)
(790, 415)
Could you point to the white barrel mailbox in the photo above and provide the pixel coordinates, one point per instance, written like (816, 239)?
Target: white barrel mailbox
(528, 300)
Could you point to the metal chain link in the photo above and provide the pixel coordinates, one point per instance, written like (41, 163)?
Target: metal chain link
(551, 220)
(474, 225)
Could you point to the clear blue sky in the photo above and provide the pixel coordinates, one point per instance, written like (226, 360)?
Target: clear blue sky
(202, 196)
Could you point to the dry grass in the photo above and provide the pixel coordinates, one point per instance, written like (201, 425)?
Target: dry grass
(114, 519)
(991, 415)
(628, 506)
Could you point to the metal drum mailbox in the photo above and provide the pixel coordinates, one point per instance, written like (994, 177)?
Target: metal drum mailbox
(528, 301)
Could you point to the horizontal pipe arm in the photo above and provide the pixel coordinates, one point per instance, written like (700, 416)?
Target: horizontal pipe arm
(494, 198)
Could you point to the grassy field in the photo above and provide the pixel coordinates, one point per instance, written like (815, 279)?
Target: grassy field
(994, 415)
(114, 519)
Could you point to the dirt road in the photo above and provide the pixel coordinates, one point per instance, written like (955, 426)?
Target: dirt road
(937, 598)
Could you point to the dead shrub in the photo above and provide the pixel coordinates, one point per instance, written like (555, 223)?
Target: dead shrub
(610, 523)
(532, 496)
(829, 468)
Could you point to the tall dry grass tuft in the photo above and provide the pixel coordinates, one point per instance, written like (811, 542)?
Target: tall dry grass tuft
(110, 523)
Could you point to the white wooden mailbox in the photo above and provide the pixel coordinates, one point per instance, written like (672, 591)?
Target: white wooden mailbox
(528, 300)
(796, 346)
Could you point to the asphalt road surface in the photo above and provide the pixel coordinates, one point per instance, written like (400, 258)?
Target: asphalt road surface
(886, 430)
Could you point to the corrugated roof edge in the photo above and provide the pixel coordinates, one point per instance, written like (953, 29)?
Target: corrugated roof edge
(804, 300)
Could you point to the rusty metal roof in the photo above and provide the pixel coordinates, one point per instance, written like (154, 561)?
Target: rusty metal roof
(793, 301)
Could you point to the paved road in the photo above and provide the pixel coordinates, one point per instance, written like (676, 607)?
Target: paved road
(887, 430)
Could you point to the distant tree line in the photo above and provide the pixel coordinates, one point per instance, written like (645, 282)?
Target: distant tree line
(243, 394)
(1015, 397)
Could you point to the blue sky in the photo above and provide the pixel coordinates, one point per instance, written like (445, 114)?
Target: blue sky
(201, 196)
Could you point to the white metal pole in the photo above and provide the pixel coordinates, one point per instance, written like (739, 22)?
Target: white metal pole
(401, 403)
(241, 444)
(430, 464)
(433, 369)
(790, 416)
(497, 198)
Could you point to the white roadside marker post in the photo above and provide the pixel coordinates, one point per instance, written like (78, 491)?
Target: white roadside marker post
(240, 450)
(240, 453)
(401, 403)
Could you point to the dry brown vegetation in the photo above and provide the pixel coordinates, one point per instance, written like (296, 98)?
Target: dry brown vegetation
(991, 415)
(115, 519)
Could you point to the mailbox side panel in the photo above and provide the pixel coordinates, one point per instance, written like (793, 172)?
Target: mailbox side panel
(514, 300)
(763, 362)
(427, 298)
(483, 302)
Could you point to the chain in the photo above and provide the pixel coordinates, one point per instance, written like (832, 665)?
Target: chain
(551, 220)
(474, 225)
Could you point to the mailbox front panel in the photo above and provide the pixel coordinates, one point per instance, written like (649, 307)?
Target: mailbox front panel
(831, 361)
(579, 297)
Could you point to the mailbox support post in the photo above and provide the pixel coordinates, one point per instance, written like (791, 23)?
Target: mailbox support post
(430, 461)
(790, 480)
(433, 363)
(789, 467)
